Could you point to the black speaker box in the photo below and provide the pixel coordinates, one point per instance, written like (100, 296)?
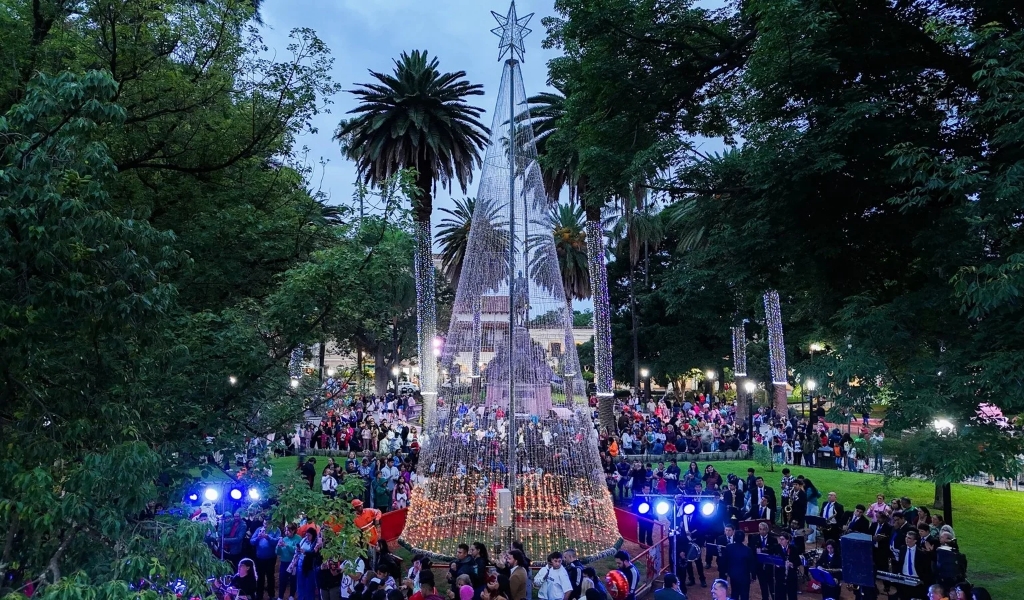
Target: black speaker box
(858, 566)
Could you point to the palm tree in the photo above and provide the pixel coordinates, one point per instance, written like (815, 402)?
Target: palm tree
(568, 227)
(417, 118)
(454, 238)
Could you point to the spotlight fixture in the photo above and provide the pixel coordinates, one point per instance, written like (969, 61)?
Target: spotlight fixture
(661, 508)
(643, 508)
(236, 494)
(211, 494)
(254, 494)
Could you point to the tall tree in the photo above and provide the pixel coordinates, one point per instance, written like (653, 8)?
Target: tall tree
(418, 118)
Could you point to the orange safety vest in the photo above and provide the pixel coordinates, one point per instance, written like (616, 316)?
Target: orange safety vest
(364, 522)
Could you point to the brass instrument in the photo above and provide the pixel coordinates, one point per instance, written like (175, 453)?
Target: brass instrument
(788, 510)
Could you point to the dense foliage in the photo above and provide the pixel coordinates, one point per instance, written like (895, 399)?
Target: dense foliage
(870, 174)
(161, 257)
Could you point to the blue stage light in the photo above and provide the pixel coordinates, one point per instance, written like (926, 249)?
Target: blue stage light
(643, 508)
(689, 508)
(236, 494)
(254, 494)
(193, 497)
(211, 494)
(661, 507)
(707, 509)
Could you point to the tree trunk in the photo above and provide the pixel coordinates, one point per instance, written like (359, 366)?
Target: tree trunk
(636, 343)
(359, 369)
(381, 371)
(780, 401)
(323, 355)
(603, 376)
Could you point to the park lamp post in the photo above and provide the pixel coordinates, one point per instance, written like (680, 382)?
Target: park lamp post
(711, 375)
(810, 385)
(645, 373)
(944, 428)
(749, 387)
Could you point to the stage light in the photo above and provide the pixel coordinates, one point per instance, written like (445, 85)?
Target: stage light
(254, 494)
(236, 494)
(661, 507)
(193, 497)
(707, 509)
(643, 508)
(689, 508)
(211, 494)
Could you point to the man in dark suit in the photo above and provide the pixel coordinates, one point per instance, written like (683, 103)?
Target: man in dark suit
(830, 561)
(898, 540)
(690, 530)
(799, 502)
(733, 501)
(881, 533)
(761, 511)
(916, 563)
(761, 491)
(671, 590)
(857, 522)
(763, 543)
(785, 576)
(832, 512)
(738, 563)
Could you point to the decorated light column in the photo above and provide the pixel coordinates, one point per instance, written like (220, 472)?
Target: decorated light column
(776, 350)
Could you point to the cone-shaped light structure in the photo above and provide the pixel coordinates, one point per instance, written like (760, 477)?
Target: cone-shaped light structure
(511, 452)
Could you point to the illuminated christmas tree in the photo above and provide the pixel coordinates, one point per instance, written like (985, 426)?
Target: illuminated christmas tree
(513, 426)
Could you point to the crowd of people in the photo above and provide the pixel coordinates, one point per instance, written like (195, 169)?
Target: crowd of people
(703, 423)
(375, 441)
(797, 524)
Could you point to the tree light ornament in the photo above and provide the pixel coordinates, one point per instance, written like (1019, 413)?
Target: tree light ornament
(602, 307)
(426, 316)
(739, 350)
(776, 346)
(516, 431)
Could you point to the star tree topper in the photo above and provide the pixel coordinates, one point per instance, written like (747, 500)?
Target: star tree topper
(511, 29)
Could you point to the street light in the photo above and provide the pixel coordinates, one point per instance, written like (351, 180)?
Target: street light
(645, 382)
(232, 380)
(810, 385)
(945, 427)
(295, 382)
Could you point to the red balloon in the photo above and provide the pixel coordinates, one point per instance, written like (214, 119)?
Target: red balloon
(618, 586)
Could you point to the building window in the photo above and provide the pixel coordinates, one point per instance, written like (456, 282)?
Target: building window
(556, 349)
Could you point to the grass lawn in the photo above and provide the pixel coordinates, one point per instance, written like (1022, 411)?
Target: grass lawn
(986, 520)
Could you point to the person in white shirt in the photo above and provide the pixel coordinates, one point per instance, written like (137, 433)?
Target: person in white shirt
(553, 580)
(390, 474)
(328, 484)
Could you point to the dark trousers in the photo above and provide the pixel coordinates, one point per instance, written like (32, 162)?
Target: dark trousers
(739, 587)
(785, 586)
(646, 533)
(766, 579)
(700, 571)
(285, 580)
(265, 568)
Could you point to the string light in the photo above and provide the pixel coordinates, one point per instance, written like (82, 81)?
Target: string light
(739, 350)
(426, 316)
(602, 307)
(776, 346)
(518, 422)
